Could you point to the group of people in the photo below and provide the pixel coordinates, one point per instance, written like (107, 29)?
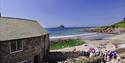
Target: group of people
(92, 52)
(109, 55)
(106, 56)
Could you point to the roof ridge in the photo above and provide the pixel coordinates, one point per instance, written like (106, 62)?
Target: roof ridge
(18, 18)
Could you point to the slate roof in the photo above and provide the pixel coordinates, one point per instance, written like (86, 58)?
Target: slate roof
(17, 28)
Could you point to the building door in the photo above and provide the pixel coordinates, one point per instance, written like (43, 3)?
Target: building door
(36, 59)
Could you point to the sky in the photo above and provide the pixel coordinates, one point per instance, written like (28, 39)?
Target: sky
(70, 13)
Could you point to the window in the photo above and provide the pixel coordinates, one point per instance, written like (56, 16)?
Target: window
(13, 45)
(16, 45)
(19, 44)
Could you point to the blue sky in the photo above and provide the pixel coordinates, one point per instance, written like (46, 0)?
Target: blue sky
(71, 13)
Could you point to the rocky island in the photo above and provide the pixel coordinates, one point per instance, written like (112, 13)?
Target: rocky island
(61, 26)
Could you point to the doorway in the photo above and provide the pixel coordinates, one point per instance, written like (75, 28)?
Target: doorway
(36, 59)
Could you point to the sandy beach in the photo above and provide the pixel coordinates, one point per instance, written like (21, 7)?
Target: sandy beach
(108, 43)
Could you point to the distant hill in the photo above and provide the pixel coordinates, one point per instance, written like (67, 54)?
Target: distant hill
(114, 28)
(120, 24)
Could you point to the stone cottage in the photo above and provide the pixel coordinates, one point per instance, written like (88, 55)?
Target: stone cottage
(22, 41)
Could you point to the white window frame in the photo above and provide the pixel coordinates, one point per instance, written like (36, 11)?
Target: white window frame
(16, 47)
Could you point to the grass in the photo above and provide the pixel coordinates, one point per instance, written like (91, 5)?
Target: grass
(66, 43)
(119, 24)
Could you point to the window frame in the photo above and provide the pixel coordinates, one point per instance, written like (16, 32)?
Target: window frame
(11, 52)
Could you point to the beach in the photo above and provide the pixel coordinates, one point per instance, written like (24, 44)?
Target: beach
(110, 41)
(104, 42)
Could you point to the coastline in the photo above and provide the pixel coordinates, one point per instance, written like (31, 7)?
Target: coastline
(110, 41)
(70, 36)
(84, 36)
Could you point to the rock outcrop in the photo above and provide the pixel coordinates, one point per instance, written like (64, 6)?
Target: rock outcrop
(108, 30)
(61, 26)
(113, 29)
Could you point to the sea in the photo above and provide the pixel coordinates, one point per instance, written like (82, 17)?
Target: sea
(69, 31)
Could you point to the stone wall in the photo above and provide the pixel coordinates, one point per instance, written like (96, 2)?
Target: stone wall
(62, 56)
(82, 57)
(31, 47)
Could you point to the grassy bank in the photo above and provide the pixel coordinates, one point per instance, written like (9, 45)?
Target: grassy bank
(119, 24)
(66, 43)
(113, 29)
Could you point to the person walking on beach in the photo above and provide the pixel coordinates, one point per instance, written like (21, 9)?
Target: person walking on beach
(91, 55)
(114, 55)
(110, 55)
(118, 58)
(108, 59)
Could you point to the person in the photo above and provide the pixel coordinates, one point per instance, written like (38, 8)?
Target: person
(110, 55)
(97, 52)
(108, 59)
(118, 58)
(103, 60)
(100, 54)
(114, 54)
(88, 54)
(105, 55)
(91, 55)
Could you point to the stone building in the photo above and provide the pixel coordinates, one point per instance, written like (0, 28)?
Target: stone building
(22, 41)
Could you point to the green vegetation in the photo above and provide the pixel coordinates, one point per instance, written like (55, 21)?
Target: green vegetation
(66, 43)
(115, 28)
(119, 24)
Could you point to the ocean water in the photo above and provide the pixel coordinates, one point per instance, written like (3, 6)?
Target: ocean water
(66, 31)
(54, 32)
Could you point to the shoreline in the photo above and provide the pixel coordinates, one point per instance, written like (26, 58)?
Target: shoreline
(70, 36)
(110, 41)
(80, 36)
